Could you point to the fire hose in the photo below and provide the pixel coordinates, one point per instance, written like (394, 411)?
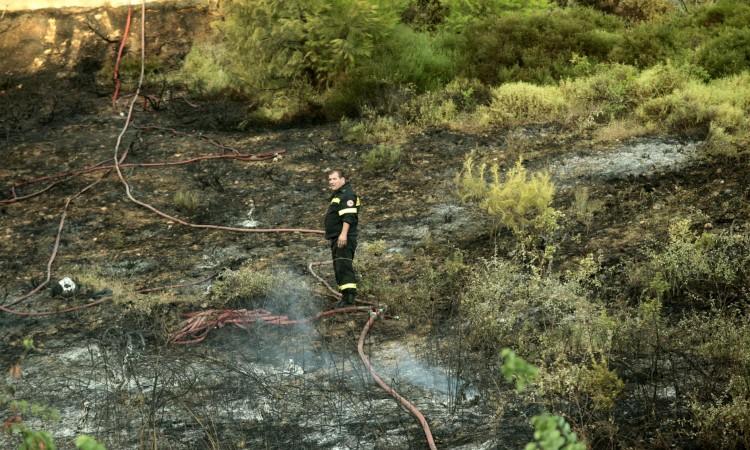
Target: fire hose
(197, 325)
(404, 402)
(64, 176)
(116, 72)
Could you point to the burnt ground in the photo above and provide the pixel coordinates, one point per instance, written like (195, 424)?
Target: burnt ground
(108, 235)
(410, 207)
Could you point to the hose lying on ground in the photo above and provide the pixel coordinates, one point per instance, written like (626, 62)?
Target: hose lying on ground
(404, 402)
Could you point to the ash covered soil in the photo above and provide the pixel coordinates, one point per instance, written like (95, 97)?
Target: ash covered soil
(108, 369)
(110, 372)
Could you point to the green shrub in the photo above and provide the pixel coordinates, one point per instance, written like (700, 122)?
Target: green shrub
(206, 69)
(408, 62)
(664, 79)
(534, 47)
(722, 105)
(550, 432)
(84, 442)
(726, 54)
(423, 288)
(713, 25)
(315, 42)
(382, 158)
(154, 71)
(699, 270)
(516, 370)
(471, 183)
(448, 106)
(713, 15)
(506, 307)
(719, 395)
(245, 283)
(645, 45)
(635, 10)
(553, 433)
(601, 385)
(373, 130)
(424, 15)
(187, 201)
(603, 96)
(584, 207)
(725, 420)
(280, 291)
(517, 103)
(298, 54)
(462, 13)
(518, 201)
(412, 58)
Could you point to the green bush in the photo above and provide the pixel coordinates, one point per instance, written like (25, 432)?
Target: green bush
(296, 50)
(462, 13)
(412, 58)
(506, 307)
(245, 283)
(516, 370)
(710, 269)
(584, 208)
(645, 45)
(424, 288)
(534, 47)
(517, 103)
(206, 69)
(722, 105)
(604, 96)
(709, 26)
(553, 433)
(714, 15)
(187, 201)
(550, 432)
(635, 10)
(277, 290)
(382, 158)
(518, 201)
(315, 42)
(719, 343)
(726, 54)
(725, 421)
(447, 106)
(372, 130)
(424, 15)
(664, 79)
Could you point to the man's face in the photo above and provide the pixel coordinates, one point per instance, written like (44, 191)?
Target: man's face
(335, 181)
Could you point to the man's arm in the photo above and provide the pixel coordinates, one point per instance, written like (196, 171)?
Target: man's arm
(343, 237)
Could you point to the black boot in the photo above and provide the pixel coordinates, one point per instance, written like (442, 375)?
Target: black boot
(347, 298)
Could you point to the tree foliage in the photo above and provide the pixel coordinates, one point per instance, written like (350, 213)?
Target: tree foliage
(275, 43)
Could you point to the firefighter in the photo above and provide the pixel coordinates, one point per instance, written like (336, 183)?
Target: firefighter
(341, 230)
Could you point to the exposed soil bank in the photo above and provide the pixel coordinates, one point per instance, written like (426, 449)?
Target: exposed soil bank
(26, 5)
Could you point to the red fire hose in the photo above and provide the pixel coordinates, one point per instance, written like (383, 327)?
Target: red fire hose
(116, 72)
(404, 402)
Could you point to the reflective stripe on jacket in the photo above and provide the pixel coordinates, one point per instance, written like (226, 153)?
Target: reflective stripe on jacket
(343, 207)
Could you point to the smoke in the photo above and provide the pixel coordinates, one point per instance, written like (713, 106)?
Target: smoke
(394, 361)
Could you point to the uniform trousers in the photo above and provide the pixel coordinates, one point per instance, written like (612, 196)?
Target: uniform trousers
(343, 267)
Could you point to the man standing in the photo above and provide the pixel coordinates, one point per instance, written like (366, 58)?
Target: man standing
(341, 231)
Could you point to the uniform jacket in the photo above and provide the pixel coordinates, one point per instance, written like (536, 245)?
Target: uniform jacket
(343, 207)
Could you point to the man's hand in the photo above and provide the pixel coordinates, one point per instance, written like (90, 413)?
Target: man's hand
(341, 241)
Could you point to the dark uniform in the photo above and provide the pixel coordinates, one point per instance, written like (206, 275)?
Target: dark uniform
(343, 208)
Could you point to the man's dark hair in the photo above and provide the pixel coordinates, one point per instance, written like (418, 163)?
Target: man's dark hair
(338, 171)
